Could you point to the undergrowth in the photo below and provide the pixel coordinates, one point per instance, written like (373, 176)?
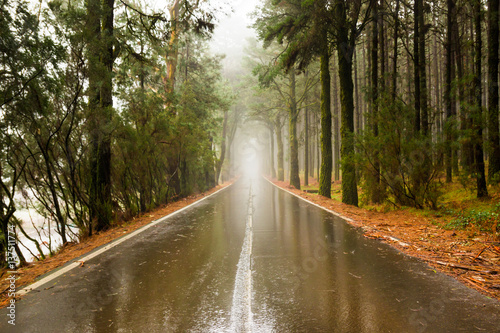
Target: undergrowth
(484, 220)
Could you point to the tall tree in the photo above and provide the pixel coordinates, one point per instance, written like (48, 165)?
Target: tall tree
(292, 130)
(482, 190)
(303, 24)
(493, 128)
(172, 53)
(448, 96)
(100, 61)
(306, 137)
(325, 173)
(395, 50)
(421, 65)
(278, 126)
(375, 173)
(416, 61)
(348, 22)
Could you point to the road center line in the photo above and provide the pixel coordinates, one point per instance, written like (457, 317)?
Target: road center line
(241, 310)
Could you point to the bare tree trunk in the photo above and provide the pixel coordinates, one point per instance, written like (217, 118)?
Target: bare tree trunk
(292, 132)
(448, 98)
(325, 175)
(220, 161)
(306, 139)
(422, 68)
(172, 53)
(357, 98)
(437, 91)
(482, 190)
(493, 127)
(271, 139)
(101, 61)
(345, 55)
(279, 142)
(417, 64)
(336, 125)
(395, 52)
(312, 144)
(375, 173)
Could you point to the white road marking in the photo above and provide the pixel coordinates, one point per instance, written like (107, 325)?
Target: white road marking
(241, 310)
(105, 248)
(312, 203)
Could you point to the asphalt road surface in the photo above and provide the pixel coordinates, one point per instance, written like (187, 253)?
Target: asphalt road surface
(253, 258)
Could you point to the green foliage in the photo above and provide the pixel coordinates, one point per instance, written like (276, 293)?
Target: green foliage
(149, 138)
(45, 132)
(408, 170)
(39, 104)
(484, 220)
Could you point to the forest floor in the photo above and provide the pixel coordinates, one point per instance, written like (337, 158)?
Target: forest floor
(452, 239)
(29, 273)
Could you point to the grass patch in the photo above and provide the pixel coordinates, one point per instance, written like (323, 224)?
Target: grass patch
(486, 219)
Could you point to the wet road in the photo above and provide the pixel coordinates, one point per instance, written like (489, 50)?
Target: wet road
(253, 258)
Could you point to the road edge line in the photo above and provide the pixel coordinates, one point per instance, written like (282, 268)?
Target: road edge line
(348, 219)
(67, 267)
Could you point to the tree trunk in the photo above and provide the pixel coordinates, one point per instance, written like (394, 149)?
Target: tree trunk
(345, 53)
(220, 161)
(306, 139)
(100, 104)
(325, 176)
(357, 122)
(312, 144)
(482, 190)
(271, 139)
(416, 61)
(493, 127)
(466, 147)
(169, 82)
(279, 142)
(172, 54)
(375, 173)
(209, 173)
(395, 52)
(448, 98)
(422, 67)
(336, 126)
(437, 94)
(292, 132)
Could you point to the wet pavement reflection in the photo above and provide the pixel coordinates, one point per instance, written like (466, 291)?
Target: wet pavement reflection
(253, 259)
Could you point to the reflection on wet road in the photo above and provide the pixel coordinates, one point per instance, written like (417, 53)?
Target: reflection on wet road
(253, 259)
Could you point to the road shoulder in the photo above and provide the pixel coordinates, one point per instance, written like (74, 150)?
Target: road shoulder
(70, 253)
(474, 261)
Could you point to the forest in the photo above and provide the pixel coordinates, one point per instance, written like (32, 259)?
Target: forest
(112, 108)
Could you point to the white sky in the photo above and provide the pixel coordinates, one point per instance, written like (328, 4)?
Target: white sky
(232, 31)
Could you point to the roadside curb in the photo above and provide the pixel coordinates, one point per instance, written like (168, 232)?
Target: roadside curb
(348, 219)
(76, 262)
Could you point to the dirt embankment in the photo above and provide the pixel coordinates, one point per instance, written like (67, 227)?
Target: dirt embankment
(28, 274)
(471, 257)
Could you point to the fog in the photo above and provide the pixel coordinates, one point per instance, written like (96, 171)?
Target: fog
(249, 147)
(232, 32)
(230, 38)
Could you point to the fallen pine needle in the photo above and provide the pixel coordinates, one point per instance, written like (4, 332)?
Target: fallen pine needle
(484, 248)
(449, 264)
(476, 284)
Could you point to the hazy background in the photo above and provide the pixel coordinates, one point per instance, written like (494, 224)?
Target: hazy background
(232, 31)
